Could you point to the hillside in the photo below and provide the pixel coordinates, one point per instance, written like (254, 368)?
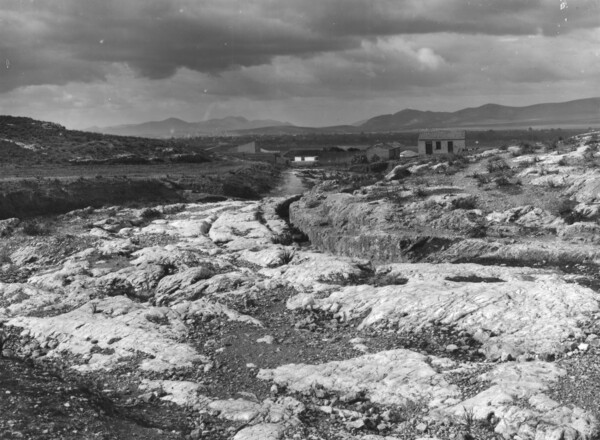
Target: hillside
(25, 140)
(174, 127)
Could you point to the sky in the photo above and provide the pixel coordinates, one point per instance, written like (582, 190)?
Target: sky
(86, 63)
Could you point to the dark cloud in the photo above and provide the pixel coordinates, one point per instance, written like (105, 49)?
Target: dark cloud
(54, 42)
(154, 38)
(489, 17)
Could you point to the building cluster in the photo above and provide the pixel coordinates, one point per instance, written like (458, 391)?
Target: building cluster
(433, 142)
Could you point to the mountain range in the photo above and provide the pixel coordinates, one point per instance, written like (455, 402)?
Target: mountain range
(571, 114)
(583, 112)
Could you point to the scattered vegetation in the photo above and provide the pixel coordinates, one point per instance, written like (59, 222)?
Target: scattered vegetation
(565, 208)
(35, 227)
(420, 192)
(287, 256)
(150, 214)
(496, 164)
(562, 162)
(465, 203)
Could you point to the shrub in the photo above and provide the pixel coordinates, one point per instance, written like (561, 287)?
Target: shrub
(34, 227)
(420, 192)
(565, 208)
(482, 179)
(465, 203)
(287, 256)
(150, 213)
(284, 238)
(502, 181)
(497, 164)
(378, 167)
(5, 256)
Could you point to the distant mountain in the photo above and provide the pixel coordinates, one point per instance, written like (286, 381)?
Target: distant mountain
(573, 114)
(174, 127)
(582, 112)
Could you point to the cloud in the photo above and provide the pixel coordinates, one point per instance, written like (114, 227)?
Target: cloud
(77, 40)
(116, 60)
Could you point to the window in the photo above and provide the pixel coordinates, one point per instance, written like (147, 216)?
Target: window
(450, 145)
(438, 145)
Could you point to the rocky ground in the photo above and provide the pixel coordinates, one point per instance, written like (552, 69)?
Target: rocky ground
(424, 306)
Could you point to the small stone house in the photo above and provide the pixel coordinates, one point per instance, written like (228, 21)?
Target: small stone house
(382, 152)
(441, 142)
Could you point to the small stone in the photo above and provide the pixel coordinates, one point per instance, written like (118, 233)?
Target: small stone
(327, 409)
(274, 389)
(583, 347)
(451, 348)
(307, 302)
(421, 427)
(147, 397)
(250, 365)
(266, 339)
(361, 347)
(195, 434)
(356, 424)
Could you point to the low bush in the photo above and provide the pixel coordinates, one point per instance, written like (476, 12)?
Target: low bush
(562, 162)
(565, 208)
(482, 179)
(420, 192)
(502, 181)
(465, 203)
(34, 228)
(287, 256)
(496, 164)
(150, 214)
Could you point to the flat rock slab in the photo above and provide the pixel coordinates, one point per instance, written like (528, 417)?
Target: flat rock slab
(318, 271)
(388, 377)
(111, 332)
(527, 313)
(183, 393)
(264, 431)
(516, 398)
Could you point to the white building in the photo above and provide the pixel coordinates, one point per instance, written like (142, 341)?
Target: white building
(441, 142)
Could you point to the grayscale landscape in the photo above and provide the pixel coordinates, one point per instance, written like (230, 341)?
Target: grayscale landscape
(285, 220)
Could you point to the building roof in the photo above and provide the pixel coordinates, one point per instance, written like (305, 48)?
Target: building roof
(441, 134)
